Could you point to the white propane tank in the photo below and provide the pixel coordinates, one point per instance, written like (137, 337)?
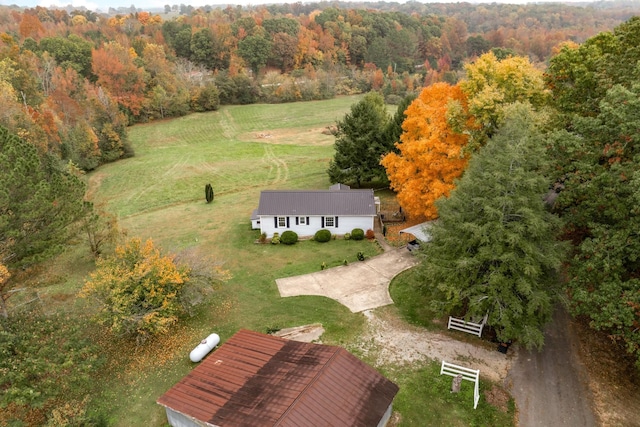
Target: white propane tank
(205, 346)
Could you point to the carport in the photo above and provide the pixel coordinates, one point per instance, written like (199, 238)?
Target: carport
(419, 231)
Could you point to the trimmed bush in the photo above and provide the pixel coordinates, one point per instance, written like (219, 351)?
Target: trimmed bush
(322, 236)
(370, 234)
(357, 234)
(275, 240)
(289, 237)
(347, 236)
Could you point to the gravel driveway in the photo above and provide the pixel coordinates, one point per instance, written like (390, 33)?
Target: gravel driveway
(359, 286)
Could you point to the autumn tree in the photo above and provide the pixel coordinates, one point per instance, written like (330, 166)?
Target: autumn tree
(359, 142)
(494, 249)
(430, 154)
(118, 73)
(139, 290)
(142, 293)
(492, 84)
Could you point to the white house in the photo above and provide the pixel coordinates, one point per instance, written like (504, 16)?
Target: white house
(339, 210)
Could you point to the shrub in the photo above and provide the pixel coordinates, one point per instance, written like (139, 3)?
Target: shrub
(263, 237)
(360, 256)
(275, 240)
(370, 234)
(322, 236)
(347, 236)
(357, 234)
(289, 237)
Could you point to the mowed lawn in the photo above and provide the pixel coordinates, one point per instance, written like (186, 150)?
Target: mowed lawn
(159, 194)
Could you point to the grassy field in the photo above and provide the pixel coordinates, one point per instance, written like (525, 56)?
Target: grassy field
(159, 194)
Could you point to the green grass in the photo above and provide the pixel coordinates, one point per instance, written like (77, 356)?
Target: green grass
(425, 399)
(159, 194)
(411, 303)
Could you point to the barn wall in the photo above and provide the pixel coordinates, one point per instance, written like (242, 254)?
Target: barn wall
(176, 419)
(385, 418)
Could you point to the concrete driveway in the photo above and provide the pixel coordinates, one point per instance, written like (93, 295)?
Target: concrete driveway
(359, 286)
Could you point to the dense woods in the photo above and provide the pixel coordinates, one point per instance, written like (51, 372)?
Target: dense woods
(72, 80)
(516, 126)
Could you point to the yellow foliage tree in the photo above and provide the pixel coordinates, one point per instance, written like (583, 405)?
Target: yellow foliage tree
(431, 153)
(139, 290)
(492, 84)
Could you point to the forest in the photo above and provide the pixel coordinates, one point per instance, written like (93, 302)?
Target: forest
(523, 102)
(72, 81)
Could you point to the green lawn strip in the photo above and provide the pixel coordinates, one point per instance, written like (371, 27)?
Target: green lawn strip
(412, 305)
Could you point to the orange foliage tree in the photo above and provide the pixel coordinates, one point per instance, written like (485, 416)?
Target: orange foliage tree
(114, 65)
(430, 153)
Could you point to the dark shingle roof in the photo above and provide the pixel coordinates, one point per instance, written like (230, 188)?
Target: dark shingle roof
(317, 202)
(261, 380)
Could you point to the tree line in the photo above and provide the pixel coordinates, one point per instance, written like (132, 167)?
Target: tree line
(72, 80)
(532, 179)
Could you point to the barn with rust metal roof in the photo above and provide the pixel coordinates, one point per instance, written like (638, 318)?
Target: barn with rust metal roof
(262, 380)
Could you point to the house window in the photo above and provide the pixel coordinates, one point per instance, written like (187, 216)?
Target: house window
(302, 220)
(328, 221)
(282, 221)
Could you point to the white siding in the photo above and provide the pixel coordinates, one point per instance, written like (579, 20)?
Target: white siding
(345, 225)
(385, 418)
(176, 419)
(255, 224)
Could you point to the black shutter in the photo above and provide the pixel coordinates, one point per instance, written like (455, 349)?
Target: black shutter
(296, 220)
(322, 222)
(336, 222)
(275, 221)
(307, 220)
(287, 222)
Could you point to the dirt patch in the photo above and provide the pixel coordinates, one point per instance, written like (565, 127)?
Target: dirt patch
(292, 136)
(613, 378)
(392, 341)
(497, 397)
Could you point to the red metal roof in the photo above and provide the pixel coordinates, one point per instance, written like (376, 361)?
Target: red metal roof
(262, 380)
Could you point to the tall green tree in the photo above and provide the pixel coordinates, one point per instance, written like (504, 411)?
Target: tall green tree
(255, 51)
(394, 128)
(38, 202)
(360, 144)
(598, 164)
(494, 249)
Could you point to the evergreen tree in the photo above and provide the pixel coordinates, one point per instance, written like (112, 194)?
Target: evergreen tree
(360, 143)
(38, 202)
(494, 250)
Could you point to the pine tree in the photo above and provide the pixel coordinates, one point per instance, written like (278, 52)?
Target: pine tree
(494, 249)
(360, 144)
(38, 202)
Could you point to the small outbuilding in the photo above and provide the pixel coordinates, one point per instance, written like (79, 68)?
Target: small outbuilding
(261, 380)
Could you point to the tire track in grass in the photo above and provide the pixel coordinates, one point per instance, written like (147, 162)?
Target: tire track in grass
(281, 167)
(228, 125)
